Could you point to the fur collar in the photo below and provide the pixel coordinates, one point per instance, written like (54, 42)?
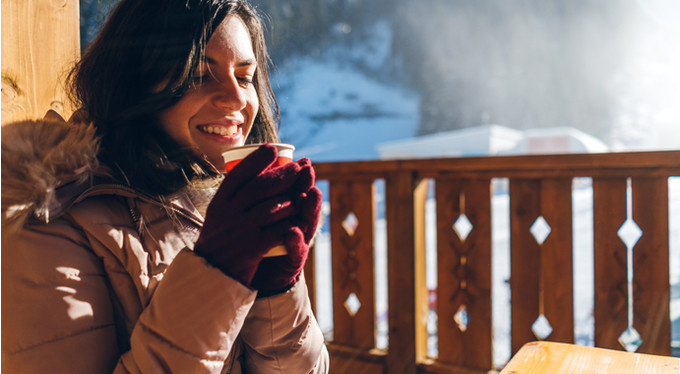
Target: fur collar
(42, 161)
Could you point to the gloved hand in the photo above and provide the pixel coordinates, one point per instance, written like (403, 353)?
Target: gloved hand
(277, 274)
(251, 213)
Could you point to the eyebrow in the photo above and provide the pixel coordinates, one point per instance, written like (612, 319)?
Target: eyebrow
(248, 62)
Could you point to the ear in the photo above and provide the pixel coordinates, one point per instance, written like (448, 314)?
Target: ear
(52, 115)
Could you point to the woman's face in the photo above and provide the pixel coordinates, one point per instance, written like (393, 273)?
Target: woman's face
(217, 113)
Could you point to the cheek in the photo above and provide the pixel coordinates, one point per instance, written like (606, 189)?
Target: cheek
(182, 111)
(175, 120)
(254, 105)
(251, 109)
(170, 120)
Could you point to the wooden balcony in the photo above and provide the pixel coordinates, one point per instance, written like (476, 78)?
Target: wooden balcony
(625, 187)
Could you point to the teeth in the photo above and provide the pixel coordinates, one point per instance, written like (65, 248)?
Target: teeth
(220, 130)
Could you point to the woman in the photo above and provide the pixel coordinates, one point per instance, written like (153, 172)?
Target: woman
(112, 259)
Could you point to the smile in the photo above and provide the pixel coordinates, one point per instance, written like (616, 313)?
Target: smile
(220, 130)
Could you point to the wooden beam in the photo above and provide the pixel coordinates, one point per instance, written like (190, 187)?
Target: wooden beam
(399, 205)
(40, 42)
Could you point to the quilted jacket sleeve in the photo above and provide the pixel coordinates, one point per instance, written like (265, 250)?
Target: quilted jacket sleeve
(281, 335)
(57, 312)
(193, 319)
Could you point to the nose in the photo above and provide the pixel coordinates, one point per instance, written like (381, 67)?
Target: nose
(230, 95)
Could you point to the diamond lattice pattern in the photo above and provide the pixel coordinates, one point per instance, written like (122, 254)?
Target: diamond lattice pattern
(461, 318)
(541, 327)
(462, 227)
(352, 304)
(629, 233)
(540, 230)
(350, 224)
(630, 339)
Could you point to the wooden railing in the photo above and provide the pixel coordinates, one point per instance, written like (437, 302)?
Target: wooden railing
(541, 280)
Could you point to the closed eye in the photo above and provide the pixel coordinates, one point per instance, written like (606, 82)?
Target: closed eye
(246, 81)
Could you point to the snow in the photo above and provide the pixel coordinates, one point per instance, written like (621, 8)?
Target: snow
(333, 111)
(336, 114)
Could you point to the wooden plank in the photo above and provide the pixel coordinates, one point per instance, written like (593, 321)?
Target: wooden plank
(421, 291)
(611, 292)
(310, 278)
(556, 259)
(436, 367)
(449, 294)
(622, 164)
(352, 258)
(549, 358)
(478, 336)
(355, 361)
(651, 291)
(40, 42)
(353, 365)
(399, 205)
(525, 260)
(464, 273)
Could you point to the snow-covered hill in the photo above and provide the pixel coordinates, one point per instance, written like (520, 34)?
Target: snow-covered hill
(331, 110)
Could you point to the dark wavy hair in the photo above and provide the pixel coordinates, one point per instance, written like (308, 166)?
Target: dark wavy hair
(141, 63)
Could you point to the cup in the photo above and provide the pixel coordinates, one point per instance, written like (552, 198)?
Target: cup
(234, 155)
(285, 155)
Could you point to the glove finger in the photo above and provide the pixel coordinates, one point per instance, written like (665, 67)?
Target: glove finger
(304, 161)
(275, 234)
(250, 167)
(310, 210)
(271, 210)
(297, 248)
(270, 183)
(305, 180)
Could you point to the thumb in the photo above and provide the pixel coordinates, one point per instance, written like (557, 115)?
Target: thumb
(297, 248)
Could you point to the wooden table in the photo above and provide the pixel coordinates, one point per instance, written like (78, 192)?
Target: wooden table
(549, 357)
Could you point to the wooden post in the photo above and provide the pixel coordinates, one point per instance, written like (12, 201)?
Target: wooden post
(399, 205)
(40, 42)
(353, 263)
(611, 292)
(421, 291)
(557, 283)
(651, 290)
(525, 260)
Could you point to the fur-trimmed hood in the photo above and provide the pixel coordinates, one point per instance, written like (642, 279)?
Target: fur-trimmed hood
(44, 163)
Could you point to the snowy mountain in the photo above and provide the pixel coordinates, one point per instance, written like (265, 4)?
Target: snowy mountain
(332, 111)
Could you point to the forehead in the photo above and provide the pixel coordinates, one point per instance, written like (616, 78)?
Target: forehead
(230, 40)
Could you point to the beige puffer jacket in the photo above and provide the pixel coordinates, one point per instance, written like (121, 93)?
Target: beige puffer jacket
(98, 278)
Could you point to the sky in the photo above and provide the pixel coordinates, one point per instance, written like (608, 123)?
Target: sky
(650, 100)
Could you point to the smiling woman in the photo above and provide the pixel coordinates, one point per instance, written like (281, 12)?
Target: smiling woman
(218, 111)
(126, 248)
(164, 56)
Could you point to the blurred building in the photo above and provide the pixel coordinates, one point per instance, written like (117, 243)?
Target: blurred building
(489, 140)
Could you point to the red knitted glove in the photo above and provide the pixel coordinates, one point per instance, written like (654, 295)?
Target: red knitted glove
(277, 274)
(310, 206)
(251, 213)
